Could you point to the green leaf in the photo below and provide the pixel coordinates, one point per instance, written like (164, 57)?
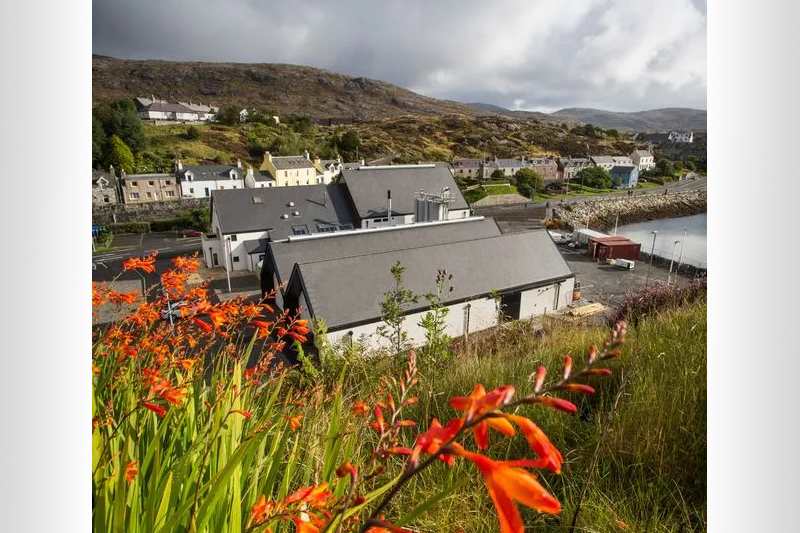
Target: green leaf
(430, 502)
(164, 505)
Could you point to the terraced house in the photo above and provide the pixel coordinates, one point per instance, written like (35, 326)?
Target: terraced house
(199, 180)
(291, 169)
(146, 188)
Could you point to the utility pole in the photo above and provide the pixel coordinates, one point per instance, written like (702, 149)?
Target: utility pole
(680, 257)
(652, 250)
(669, 276)
(615, 224)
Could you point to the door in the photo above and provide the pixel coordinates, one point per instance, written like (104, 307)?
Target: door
(510, 305)
(216, 259)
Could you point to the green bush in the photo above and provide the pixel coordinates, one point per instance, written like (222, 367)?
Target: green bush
(473, 195)
(129, 227)
(168, 224)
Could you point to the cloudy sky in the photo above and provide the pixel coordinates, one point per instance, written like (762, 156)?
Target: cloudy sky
(542, 55)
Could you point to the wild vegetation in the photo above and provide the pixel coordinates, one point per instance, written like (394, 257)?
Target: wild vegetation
(196, 428)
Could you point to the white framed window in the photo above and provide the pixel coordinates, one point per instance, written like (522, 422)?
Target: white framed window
(169, 194)
(234, 238)
(151, 183)
(134, 184)
(149, 194)
(134, 196)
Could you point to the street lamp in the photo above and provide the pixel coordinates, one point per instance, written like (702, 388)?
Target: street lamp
(680, 257)
(227, 260)
(652, 250)
(669, 276)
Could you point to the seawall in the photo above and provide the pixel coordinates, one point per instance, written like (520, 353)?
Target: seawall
(602, 214)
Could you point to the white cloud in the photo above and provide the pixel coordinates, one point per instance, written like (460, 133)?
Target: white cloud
(621, 55)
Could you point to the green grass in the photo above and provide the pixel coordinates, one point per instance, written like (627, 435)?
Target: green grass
(493, 190)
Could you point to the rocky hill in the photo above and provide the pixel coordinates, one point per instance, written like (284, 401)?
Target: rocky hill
(285, 89)
(655, 120)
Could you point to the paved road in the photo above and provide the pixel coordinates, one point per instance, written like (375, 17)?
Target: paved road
(138, 245)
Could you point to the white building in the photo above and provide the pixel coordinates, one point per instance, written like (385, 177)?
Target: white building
(531, 279)
(642, 159)
(412, 193)
(681, 136)
(199, 181)
(243, 221)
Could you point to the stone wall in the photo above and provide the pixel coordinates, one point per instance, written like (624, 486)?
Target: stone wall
(109, 214)
(602, 214)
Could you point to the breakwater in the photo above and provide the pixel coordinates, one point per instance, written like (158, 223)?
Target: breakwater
(601, 215)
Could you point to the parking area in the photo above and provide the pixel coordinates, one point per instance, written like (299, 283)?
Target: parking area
(608, 284)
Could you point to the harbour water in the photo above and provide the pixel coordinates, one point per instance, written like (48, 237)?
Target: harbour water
(692, 250)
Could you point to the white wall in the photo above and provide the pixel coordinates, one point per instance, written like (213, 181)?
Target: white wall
(454, 214)
(542, 300)
(397, 220)
(238, 250)
(482, 315)
(199, 186)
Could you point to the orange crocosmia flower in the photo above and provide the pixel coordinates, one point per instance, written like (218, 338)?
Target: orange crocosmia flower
(550, 457)
(507, 483)
(146, 264)
(95, 370)
(294, 421)
(260, 511)
(379, 425)
(360, 408)
(191, 340)
(576, 387)
(131, 471)
(307, 523)
(557, 403)
(187, 364)
(157, 409)
(479, 403)
(205, 326)
(186, 263)
(315, 496)
(248, 415)
(174, 395)
(432, 440)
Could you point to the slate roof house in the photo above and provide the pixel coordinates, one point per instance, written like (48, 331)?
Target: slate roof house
(624, 176)
(197, 181)
(567, 168)
(290, 170)
(643, 159)
(148, 188)
(531, 279)
(414, 193)
(282, 256)
(243, 221)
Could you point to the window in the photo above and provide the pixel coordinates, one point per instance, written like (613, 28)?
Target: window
(234, 186)
(222, 187)
(234, 238)
(191, 190)
(134, 184)
(235, 258)
(300, 230)
(106, 200)
(134, 196)
(169, 194)
(166, 182)
(149, 194)
(151, 183)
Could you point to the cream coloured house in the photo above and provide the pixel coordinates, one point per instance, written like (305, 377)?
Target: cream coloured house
(290, 170)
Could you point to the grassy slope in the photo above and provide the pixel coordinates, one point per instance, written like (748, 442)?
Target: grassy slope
(412, 139)
(652, 469)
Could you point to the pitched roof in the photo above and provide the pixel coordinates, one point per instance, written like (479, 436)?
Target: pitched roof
(284, 255)
(291, 162)
(97, 174)
(622, 168)
(261, 209)
(529, 259)
(602, 159)
(642, 153)
(513, 163)
(167, 107)
(368, 187)
(212, 172)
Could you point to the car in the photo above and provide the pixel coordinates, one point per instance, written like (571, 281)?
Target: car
(191, 233)
(173, 310)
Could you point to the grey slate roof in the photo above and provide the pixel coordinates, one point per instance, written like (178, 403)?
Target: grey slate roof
(511, 163)
(619, 169)
(368, 187)
(212, 172)
(317, 204)
(642, 153)
(602, 159)
(291, 161)
(347, 292)
(97, 174)
(167, 107)
(283, 255)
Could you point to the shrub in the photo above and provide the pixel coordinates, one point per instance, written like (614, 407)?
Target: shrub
(192, 133)
(129, 227)
(659, 297)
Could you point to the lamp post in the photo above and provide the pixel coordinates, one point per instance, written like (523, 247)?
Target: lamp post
(680, 257)
(669, 276)
(227, 260)
(652, 250)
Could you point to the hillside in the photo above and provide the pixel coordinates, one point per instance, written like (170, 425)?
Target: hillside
(285, 89)
(408, 139)
(671, 118)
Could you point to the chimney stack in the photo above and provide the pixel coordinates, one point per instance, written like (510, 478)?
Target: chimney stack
(111, 170)
(307, 156)
(239, 163)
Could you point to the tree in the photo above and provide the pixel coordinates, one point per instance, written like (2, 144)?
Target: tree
(229, 116)
(664, 167)
(98, 141)
(529, 177)
(118, 154)
(392, 309)
(349, 144)
(595, 176)
(690, 166)
(127, 125)
(498, 174)
(198, 217)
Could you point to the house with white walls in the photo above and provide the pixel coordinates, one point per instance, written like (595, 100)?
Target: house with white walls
(393, 195)
(643, 160)
(198, 181)
(243, 221)
(502, 277)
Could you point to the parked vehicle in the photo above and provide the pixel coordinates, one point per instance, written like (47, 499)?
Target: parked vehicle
(173, 310)
(191, 233)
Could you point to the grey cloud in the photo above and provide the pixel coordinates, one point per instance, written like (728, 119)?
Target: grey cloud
(626, 55)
